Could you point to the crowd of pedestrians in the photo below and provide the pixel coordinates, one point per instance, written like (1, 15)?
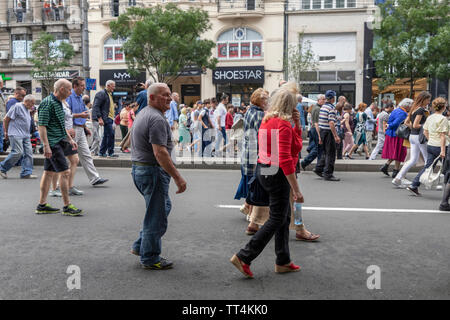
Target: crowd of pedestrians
(267, 134)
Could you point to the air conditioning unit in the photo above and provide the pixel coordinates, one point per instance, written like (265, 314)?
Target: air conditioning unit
(4, 55)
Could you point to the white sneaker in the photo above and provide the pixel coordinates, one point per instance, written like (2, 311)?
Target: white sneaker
(397, 183)
(3, 174)
(55, 193)
(406, 182)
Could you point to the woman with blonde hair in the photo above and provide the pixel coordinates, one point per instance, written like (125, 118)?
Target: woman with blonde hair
(275, 172)
(360, 131)
(435, 129)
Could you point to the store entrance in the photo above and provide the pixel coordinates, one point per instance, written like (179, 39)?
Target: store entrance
(239, 93)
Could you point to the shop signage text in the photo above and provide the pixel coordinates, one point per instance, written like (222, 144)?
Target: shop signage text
(121, 77)
(239, 75)
(64, 74)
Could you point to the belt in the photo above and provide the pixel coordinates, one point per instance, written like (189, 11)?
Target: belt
(144, 164)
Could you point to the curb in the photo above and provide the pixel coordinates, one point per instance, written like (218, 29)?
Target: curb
(234, 164)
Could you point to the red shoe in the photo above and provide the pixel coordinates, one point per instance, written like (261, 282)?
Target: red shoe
(289, 268)
(251, 231)
(241, 266)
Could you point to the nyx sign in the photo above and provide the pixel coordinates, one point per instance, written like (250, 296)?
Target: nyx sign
(121, 76)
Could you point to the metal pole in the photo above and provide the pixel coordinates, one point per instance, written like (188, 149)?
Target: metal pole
(85, 38)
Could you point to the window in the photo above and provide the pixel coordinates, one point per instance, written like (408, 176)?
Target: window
(346, 76)
(112, 50)
(60, 37)
(325, 4)
(327, 76)
(115, 8)
(239, 43)
(308, 76)
(21, 4)
(21, 46)
(327, 58)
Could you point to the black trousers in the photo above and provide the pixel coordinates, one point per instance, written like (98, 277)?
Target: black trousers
(278, 189)
(326, 162)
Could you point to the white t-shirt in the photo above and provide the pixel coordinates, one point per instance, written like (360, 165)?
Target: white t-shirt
(212, 116)
(221, 111)
(68, 117)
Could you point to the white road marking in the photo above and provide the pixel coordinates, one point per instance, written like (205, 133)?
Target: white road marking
(349, 209)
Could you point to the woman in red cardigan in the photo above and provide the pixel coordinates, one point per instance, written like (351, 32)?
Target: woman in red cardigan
(279, 146)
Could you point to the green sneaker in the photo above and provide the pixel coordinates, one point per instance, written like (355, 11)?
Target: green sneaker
(71, 210)
(46, 209)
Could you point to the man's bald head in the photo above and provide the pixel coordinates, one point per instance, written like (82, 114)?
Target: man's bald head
(62, 88)
(159, 96)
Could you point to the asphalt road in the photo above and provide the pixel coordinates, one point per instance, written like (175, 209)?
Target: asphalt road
(411, 249)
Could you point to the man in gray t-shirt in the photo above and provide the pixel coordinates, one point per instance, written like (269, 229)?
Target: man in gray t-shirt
(383, 118)
(151, 145)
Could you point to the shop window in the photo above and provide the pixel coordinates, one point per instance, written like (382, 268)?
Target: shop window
(239, 43)
(21, 46)
(308, 76)
(346, 76)
(327, 76)
(112, 50)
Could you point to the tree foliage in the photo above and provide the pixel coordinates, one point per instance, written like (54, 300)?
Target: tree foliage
(413, 41)
(48, 57)
(164, 40)
(300, 59)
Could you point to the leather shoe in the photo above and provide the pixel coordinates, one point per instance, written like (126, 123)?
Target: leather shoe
(331, 178)
(320, 174)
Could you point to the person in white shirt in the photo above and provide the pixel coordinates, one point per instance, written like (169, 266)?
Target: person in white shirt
(220, 115)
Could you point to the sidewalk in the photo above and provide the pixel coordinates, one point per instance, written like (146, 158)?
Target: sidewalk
(359, 164)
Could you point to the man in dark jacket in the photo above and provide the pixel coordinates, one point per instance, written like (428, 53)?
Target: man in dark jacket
(103, 112)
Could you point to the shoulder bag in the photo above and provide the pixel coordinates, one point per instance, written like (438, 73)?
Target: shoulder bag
(403, 131)
(429, 178)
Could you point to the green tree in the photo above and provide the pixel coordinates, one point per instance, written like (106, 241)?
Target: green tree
(300, 59)
(164, 40)
(412, 41)
(49, 56)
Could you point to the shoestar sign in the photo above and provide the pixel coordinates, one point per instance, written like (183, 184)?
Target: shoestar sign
(253, 74)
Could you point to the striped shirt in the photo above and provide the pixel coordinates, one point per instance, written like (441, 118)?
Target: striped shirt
(327, 114)
(51, 115)
(252, 121)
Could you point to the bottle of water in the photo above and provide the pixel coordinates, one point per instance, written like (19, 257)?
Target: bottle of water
(298, 220)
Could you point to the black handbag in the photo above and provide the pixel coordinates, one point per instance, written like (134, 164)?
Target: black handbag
(403, 131)
(257, 196)
(422, 138)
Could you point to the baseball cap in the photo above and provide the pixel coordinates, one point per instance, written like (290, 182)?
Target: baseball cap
(330, 94)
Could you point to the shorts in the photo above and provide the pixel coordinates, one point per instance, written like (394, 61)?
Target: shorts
(58, 162)
(68, 151)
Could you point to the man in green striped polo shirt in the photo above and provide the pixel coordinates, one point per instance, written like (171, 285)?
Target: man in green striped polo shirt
(56, 140)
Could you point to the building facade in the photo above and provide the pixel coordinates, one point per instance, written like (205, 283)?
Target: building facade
(21, 22)
(338, 35)
(249, 38)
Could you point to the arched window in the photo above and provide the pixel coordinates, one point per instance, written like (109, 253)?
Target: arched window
(112, 50)
(239, 43)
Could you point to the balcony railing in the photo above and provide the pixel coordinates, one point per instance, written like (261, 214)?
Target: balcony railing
(20, 16)
(229, 6)
(306, 5)
(55, 14)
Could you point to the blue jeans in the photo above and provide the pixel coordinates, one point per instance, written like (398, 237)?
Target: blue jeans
(432, 154)
(153, 183)
(107, 144)
(20, 148)
(314, 150)
(2, 136)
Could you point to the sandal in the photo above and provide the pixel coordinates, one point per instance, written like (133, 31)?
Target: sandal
(312, 237)
(251, 231)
